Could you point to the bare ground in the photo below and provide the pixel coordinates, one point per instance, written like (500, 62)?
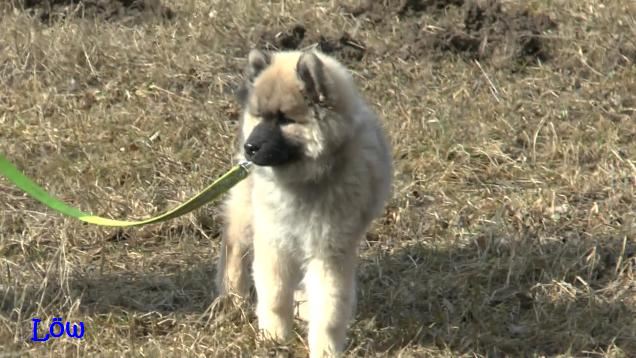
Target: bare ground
(512, 227)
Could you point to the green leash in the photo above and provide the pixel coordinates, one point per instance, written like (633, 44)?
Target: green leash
(218, 187)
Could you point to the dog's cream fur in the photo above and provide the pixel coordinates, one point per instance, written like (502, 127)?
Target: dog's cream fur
(305, 220)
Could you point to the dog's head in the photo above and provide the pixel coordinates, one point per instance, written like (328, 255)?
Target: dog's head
(295, 109)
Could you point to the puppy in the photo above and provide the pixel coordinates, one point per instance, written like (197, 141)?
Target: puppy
(322, 172)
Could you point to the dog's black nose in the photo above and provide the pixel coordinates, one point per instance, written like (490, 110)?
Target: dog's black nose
(251, 148)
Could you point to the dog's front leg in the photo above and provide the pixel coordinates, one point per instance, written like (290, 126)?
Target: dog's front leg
(276, 274)
(234, 261)
(330, 285)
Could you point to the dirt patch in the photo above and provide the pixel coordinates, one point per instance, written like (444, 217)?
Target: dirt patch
(378, 11)
(113, 10)
(342, 45)
(289, 39)
(488, 32)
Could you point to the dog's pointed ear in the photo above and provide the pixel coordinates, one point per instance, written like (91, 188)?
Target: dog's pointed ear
(311, 72)
(257, 61)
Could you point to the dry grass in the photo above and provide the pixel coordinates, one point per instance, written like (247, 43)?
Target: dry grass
(511, 231)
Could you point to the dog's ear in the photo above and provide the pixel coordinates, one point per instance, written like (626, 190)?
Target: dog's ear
(311, 72)
(257, 61)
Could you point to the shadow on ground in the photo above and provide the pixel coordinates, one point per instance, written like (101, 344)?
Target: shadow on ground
(492, 298)
(498, 298)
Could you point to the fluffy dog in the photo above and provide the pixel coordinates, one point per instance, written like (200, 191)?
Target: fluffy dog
(322, 172)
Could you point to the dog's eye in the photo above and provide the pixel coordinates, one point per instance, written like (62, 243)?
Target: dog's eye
(283, 119)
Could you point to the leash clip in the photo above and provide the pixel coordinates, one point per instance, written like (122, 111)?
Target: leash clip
(246, 164)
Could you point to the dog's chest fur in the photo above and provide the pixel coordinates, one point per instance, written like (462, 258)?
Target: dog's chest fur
(311, 219)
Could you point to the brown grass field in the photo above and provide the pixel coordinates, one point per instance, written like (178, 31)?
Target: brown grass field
(511, 231)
